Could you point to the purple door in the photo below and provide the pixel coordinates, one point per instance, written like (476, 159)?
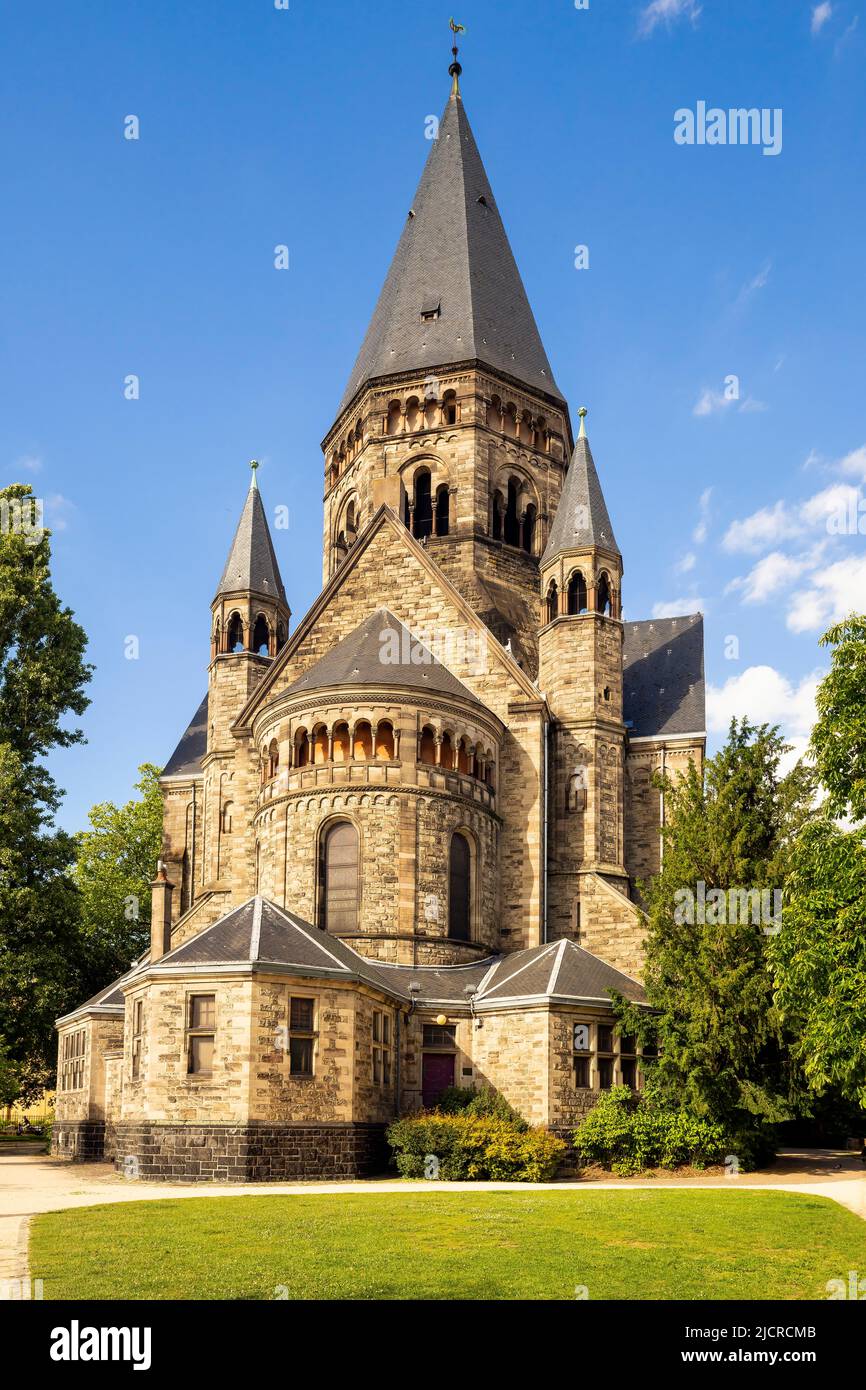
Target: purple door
(437, 1072)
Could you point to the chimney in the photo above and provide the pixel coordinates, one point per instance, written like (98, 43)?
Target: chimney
(160, 914)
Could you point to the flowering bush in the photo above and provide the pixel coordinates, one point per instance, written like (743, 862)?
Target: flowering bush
(466, 1147)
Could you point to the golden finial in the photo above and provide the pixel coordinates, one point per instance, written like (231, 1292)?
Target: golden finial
(581, 434)
(455, 68)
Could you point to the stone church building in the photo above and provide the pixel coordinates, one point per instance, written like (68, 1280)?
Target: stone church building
(403, 839)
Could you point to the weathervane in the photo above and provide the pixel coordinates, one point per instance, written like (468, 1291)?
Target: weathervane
(455, 68)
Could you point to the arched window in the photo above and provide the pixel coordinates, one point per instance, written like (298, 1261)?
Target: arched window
(464, 763)
(235, 634)
(394, 413)
(413, 413)
(341, 743)
(385, 740)
(281, 637)
(442, 510)
(228, 808)
(512, 525)
(498, 516)
(552, 601)
(262, 636)
(427, 746)
(446, 752)
(351, 523)
(431, 412)
(459, 887)
(338, 878)
(577, 593)
(273, 759)
(525, 428)
(528, 528)
(363, 741)
(602, 601)
(494, 413)
(302, 748)
(320, 745)
(449, 408)
(423, 514)
(489, 770)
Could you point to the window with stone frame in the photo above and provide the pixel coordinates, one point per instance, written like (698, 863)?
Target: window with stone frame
(200, 1034)
(382, 1043)
(137, 1031)
(606, 1056)
(73, 1051)
(439, 1035)
(581, 1042)
(628, 1061)
(302, 1036)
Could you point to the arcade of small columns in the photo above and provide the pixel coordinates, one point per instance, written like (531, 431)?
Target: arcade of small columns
(577, 596)
(322, 741)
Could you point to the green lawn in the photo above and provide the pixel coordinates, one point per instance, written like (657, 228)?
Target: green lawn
(500, 1245)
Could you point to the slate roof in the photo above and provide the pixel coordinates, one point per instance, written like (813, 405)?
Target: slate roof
(581, 518)
(365, 657)
(187, 756)
(454, 256)
(259, 932)
(663, 676)
(252, 564)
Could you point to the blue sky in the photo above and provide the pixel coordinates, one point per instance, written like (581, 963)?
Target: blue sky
(305, 127)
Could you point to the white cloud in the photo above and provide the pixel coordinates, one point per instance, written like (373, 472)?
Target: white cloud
(840, 43)
(773, 573)
(28, 463)
(855, 463)
(834, 591)
(687, 563)
(710, 402)
(764, 696)
(752, 286)
(666, 12)
(699, 535)
(820, 14)
(57, 511)
(679, 607)
(765, 527)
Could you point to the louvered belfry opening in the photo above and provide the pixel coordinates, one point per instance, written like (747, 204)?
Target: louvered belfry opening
(339, 879)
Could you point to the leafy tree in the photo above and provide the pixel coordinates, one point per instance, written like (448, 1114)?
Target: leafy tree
(839, 736)
(116, 863)
(819, 958)
(42, 678)
(728, 829)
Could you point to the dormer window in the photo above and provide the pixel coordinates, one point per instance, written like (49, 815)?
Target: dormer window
(430, 311)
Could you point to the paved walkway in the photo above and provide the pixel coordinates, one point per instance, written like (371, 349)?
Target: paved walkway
(32, 1184)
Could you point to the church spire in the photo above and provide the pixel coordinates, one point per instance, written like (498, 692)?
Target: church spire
(252, 566)
(453, 292)
(582, 519)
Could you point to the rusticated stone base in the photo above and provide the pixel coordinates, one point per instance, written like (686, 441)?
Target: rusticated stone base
(249, 1153)
(81, 1140)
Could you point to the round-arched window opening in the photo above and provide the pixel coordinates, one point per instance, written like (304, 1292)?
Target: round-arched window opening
(235, 634)
(603, 604)
(459, 888)
(262, 636)
(339, 880)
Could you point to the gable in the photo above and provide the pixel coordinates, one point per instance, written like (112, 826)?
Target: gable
(388, 568)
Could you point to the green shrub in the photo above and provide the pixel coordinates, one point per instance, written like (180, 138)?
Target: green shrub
(629, 1133)
(474, 1148)
(466, 1100)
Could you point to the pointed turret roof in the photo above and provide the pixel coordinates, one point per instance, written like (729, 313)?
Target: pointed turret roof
(453, 291)
(582, 518)
(252, 565)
